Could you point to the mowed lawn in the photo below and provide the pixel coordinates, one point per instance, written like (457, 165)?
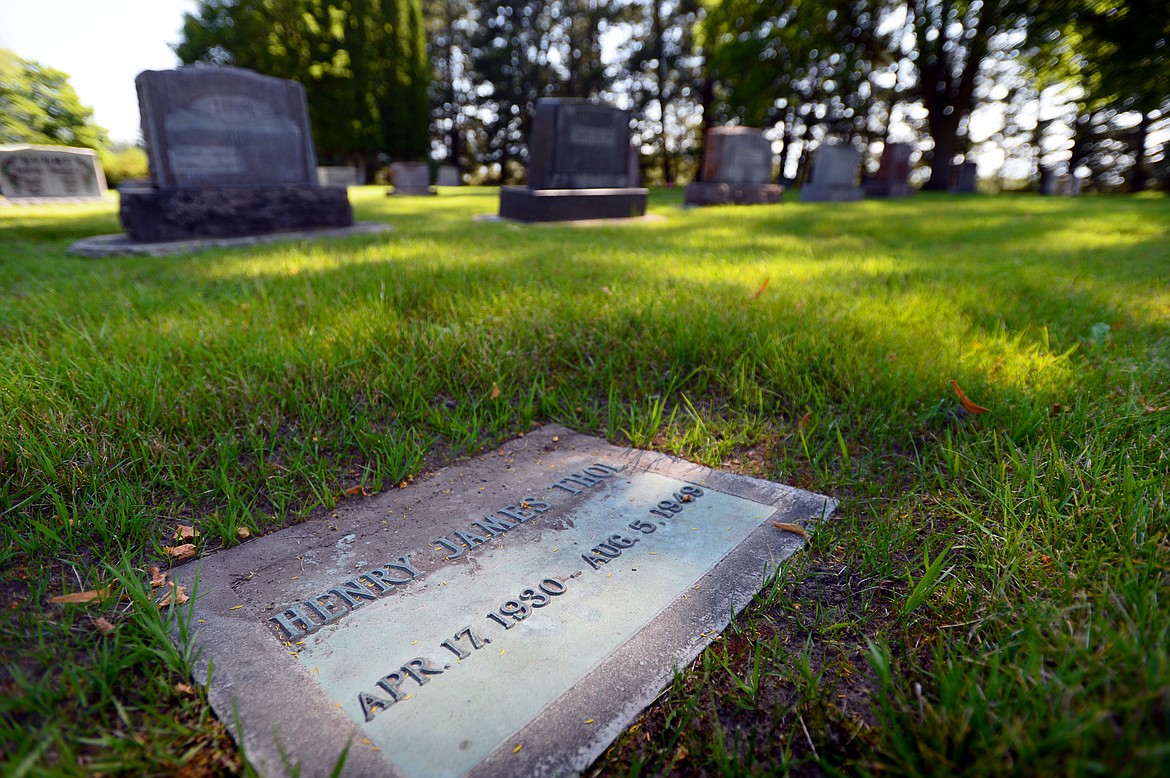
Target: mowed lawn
(991, 596)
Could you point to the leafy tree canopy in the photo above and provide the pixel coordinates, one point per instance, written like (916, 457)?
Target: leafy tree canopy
(38, 106)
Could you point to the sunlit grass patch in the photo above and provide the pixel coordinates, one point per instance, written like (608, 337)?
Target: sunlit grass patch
(1005, 567)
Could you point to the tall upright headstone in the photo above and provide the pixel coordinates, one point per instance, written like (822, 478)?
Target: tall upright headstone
(231, 154)
(50, 172)
(965, 177)
(893, 175)
(834, 175)
(578, 165)
(737, 169)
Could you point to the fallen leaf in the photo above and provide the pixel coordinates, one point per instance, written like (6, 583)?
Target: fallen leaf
(185, 551)
(681, 753)
(516, 750)
(605, 290)
(971, 407)
(243, 533)
(760, 291)
(1152, 409)
(799, 530)
(103, 626)
(184, 532)
(803, 420)
(183, 688)
(1045, 559)
(495, 391)
(77, 597)
(176, 593)
(356, 490)
(157, 578)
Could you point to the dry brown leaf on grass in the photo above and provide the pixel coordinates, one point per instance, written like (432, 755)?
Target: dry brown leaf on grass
(185, 551)
(799, 530)
(803, 421)
(353, 491)
(185, 532)
(102, 625)
(184, 688)
(971, 407)
(176, 593)
(243, 533)
(495, 391)
(79, 597)
(760, 291)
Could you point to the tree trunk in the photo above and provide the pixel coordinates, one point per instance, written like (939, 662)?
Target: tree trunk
(707, 100)
(1137, 175)
(945, 134)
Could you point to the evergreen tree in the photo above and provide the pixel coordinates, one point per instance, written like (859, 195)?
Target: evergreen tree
(363, 64)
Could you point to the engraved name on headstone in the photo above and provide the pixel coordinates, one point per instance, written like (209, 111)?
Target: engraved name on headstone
(511, 615)
(50, 171)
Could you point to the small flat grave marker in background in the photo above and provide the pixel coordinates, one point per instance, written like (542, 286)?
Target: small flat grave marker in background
(50, 172)
(509, 616)
(579, 166)
(737, 170)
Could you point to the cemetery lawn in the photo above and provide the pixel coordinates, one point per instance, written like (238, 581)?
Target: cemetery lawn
(991, 596)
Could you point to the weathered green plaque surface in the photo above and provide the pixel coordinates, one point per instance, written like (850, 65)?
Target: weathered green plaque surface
(511, 615)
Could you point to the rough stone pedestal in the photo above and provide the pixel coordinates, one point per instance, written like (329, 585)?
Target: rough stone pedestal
(152, 214)
(717, 193)
(554, 205)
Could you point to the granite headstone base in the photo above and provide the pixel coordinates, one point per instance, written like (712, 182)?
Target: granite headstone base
(561, 205)
(152, 214)
(878, 187)
(715, 193)
(835, 193)
(121, 245)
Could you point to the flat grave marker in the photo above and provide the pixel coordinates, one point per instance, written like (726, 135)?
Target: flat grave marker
(509, 615)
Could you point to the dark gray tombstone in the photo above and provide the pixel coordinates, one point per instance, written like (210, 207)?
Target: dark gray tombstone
(834, 176)
(448, 175)
(737, 170)
(1047, 181)
(231, 154)
(411, 178)
(893, 176)
(578, 165)
(51, 172)
(965, 177)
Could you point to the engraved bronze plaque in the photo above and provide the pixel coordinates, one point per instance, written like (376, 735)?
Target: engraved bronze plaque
(509, 615)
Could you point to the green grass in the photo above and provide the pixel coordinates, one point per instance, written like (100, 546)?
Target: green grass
(990, 598)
